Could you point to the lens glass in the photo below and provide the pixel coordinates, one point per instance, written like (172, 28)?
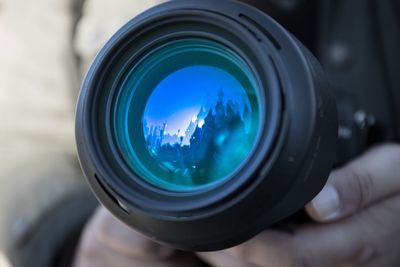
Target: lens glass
(187, 115)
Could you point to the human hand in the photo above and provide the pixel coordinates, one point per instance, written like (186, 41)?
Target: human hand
(357, 213)
(107, 242)
(357, 222)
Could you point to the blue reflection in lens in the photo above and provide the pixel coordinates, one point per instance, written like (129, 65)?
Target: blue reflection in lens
(186, 115)
(197, 115)
(182, 101)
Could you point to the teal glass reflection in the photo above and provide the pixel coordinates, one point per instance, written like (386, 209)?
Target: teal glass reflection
(188, 116)
(196, 125)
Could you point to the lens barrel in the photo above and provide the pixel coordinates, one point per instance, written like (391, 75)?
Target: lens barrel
(287, 143)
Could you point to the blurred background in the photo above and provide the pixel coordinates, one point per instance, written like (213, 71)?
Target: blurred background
(46, 47)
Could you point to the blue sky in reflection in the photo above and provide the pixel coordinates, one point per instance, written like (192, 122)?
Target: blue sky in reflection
(179, 98)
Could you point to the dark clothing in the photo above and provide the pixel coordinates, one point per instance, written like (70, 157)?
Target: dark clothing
(357, 43)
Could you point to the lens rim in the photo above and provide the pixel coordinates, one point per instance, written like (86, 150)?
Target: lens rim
(129, 100)
(153, 200)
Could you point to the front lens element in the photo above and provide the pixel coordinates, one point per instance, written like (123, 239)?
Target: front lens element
(187, 115)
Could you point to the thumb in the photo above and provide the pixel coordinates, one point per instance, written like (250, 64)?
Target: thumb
(363, 182)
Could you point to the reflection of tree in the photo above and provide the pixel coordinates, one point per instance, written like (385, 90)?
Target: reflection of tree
(222, 124)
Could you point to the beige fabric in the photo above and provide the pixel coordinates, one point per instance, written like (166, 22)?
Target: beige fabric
(38, 83)
(4, 261)
(101, 19)
(37, 152)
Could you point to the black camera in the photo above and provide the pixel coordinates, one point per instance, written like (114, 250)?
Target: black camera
(201, 123)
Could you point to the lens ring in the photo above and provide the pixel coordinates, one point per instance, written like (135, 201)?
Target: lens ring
(186, 170)
(132, 42)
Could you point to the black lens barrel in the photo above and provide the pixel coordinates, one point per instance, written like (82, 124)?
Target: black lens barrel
(294, 154)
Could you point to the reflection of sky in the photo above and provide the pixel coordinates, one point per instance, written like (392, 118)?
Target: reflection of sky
(179, 97)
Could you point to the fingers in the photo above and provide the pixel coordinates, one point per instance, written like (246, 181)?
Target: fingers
(369, 190)
(271, 248)
(107, 242)
(268, 249)
(369, 238)
(120, 238)
(224, 259)
(371, 178)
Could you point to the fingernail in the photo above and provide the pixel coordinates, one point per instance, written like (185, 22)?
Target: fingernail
(327, 204)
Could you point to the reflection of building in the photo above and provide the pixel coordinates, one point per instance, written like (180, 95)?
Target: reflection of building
(193, 151)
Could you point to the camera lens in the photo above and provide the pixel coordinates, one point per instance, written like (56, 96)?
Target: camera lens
(201, 123)
(200, 119)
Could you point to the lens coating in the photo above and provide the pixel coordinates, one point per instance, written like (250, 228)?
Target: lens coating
(187, 115)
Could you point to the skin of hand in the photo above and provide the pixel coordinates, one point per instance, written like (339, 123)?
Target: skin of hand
(108, 242)
(356, 223)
